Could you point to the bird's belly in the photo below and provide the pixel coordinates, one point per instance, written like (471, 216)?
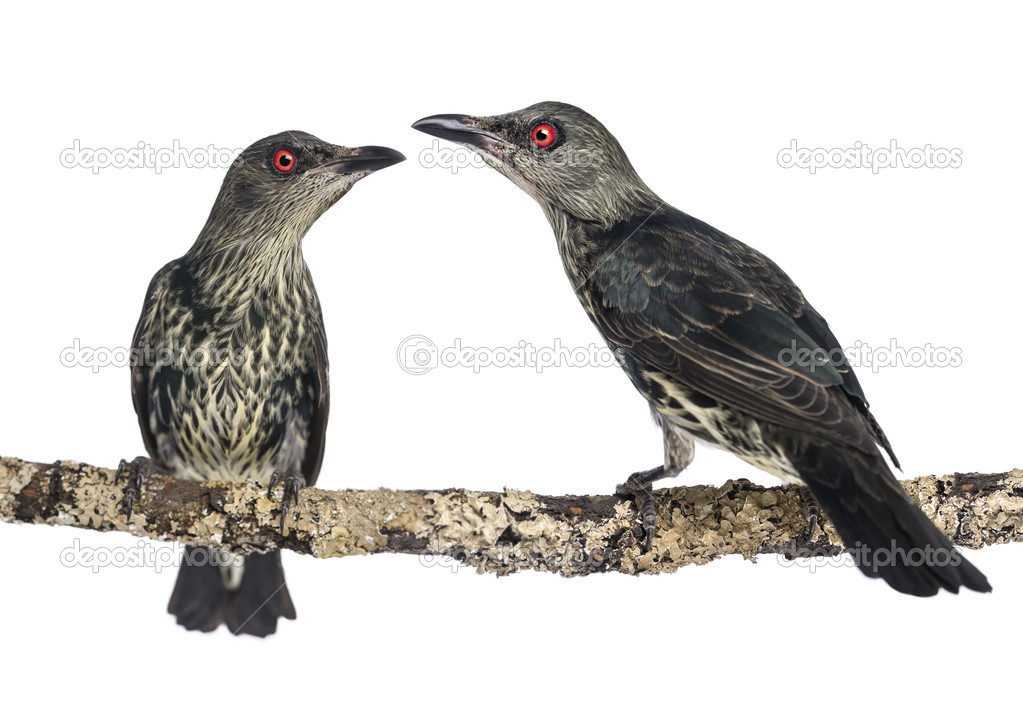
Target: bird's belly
(716, 424)
(227, 443)
(228, 427)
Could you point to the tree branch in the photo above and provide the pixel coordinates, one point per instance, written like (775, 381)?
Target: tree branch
(498, 532)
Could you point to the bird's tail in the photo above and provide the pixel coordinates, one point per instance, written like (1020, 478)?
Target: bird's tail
(886, 532)
(248, 598)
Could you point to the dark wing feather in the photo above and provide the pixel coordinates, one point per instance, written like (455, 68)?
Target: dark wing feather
(814, 324)
(142, 367)
(789, 299)
(690, 302)
(320, 408)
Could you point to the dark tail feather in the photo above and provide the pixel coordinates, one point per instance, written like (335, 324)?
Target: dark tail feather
(201, 600)
(262, 598)
(199, 595)
(889, 535)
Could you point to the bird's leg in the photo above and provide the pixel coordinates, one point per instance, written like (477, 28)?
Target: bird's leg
(679, 450)
(639, 486)
(137, 470)
(293, 482)
(812, 511)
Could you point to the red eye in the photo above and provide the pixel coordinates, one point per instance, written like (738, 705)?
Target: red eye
(284, 161)
(543, 135)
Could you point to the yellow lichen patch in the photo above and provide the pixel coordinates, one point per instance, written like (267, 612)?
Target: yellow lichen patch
(263, 504)
(520, 501)
(209, 529)
(1008, 509)
(338, 542)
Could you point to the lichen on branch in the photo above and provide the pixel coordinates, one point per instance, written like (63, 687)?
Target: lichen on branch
(500, 532)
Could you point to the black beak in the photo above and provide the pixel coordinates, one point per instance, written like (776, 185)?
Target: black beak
(364, 159)
(459, 128)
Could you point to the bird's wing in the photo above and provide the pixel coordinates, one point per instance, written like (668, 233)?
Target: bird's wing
(815, 325)
(320, 408)
(142, 366)
(784, 294)
(698, 307)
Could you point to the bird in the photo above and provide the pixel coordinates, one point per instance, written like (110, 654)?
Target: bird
(229, 370)
(705, 327)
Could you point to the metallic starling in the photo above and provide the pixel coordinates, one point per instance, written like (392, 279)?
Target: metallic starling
(229, 372)
(700, 323)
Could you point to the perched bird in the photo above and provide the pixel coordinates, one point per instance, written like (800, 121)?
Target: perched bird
(703, 325)
(229, 372)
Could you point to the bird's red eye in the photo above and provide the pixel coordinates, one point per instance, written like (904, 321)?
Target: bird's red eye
(543, 135)
(284, 161)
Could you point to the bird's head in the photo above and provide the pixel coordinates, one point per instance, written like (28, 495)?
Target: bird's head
(563, 157)
(283, 183)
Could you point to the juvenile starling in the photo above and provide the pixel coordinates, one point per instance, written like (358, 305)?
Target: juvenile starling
(229, 375)
(701, 323)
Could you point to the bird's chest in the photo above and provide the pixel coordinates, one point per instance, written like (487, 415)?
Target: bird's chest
(232, 396)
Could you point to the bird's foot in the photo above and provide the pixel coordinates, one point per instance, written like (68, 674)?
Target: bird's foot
(137, 471)
(293, 482)
(638, 486)
(813, 511)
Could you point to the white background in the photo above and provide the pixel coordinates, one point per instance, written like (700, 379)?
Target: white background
(702, 100)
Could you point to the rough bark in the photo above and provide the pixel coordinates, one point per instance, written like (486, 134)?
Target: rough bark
(498, 532)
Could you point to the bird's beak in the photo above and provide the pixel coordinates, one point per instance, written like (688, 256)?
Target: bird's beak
(459, 128)
(364, 159)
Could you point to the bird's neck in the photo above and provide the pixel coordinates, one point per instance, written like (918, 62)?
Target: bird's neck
(575, 256)
(232, 261)
(585, 245)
